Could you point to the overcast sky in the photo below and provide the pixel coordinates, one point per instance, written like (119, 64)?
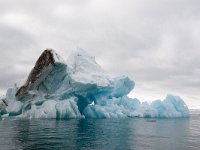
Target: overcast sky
(156, 43)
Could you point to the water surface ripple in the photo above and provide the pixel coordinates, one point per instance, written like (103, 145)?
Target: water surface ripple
(131, 133)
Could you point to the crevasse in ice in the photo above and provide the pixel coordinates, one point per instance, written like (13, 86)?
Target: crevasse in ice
(79, 88)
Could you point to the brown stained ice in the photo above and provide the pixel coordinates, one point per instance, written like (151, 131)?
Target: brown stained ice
(4, 101)
(45, 59)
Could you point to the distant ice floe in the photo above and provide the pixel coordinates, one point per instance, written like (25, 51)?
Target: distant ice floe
(79, 88)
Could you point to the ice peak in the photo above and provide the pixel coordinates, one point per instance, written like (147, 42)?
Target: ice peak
(84, 68)
(48, 58)
(80, 53)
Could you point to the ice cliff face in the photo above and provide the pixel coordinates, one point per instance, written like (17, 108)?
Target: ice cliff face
(79, 88)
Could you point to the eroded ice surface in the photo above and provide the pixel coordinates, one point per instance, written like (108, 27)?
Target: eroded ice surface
(79, 88)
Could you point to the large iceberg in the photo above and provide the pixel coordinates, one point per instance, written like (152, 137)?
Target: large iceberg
(79, 88)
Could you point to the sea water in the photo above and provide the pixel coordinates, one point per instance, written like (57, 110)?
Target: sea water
(129, 133)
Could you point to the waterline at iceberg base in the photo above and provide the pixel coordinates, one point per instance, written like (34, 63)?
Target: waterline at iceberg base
(79, 88)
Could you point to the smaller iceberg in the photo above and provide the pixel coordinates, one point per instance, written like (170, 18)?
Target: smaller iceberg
(171, 106)
(79, 88)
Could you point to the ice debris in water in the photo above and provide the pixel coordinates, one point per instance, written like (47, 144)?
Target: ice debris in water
(79, 88)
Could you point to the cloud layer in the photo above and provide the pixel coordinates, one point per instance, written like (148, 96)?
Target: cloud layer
(156, 43)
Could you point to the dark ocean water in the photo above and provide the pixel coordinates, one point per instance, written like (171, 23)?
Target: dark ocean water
(131, 133)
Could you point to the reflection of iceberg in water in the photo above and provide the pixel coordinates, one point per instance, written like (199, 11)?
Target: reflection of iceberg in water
(80, 88)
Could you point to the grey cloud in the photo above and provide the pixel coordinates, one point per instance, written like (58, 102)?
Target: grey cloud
(155, 43)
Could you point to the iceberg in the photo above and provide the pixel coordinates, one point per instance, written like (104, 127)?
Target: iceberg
(79, 88)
